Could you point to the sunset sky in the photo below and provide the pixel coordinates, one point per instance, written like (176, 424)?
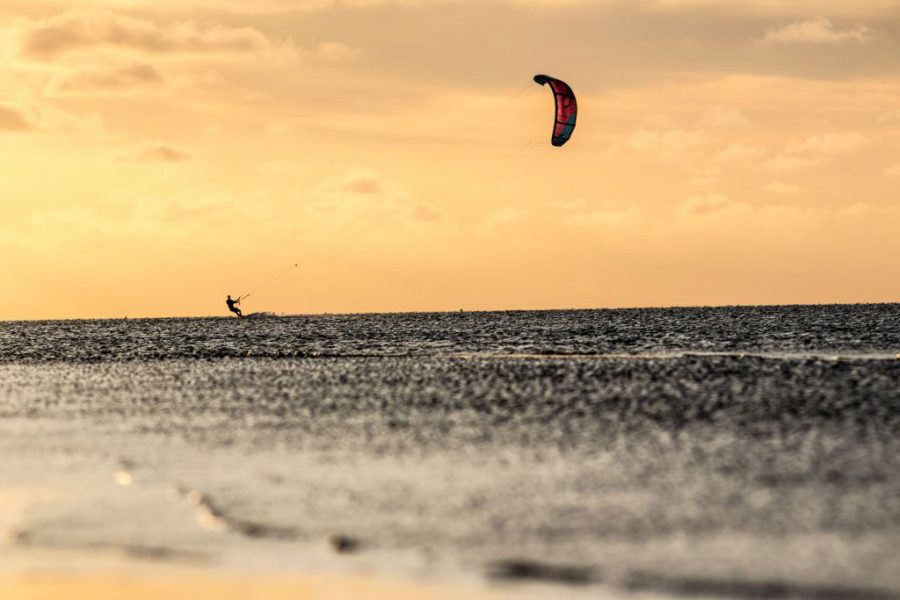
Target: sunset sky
(157, 155)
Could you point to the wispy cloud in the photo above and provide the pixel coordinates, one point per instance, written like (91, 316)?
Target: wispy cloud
(740, 152)
(425, 213)
(365, 183)
(779, 187)
(180, 215)
(83, 29)
(721, 117)
(163, 153)
(294, 6)
(335, 52)
(505, 216)
(670, 144)
(780, 7)
(818, 30)
(816, 151)
(829, 144)
(788, 162)
(605, 215)
(893, 170)
(12, 119)
(768, 7)
(355, 193)
(114, 79)
(706, 204)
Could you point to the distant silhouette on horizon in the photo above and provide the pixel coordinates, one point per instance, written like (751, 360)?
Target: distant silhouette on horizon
(231, 306)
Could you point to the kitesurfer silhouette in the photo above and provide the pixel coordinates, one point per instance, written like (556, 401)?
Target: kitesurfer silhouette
(231, 306)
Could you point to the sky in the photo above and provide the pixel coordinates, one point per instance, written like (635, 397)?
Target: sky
(157, 155)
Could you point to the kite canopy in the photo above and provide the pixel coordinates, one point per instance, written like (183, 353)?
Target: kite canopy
(566, 108)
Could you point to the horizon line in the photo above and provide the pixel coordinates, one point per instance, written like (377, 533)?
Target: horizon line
(463, 311)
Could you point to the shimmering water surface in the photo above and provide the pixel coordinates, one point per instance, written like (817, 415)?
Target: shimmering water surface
(838, 329)
(720, 452)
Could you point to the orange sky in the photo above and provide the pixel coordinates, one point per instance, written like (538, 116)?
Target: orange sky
(157, 155)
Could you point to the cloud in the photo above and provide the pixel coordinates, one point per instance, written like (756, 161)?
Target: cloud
(723, 117)
(787, 162)
(892, 171)
(739, 152)
(780, 7)
(670, 144)
(352, 184)
(288, 6)
(766, 7)
(610, 218)
(356, 193)
(819, 31)
(154, 216)
(361, 183)
(108, 80)
(13, 120)
(829, 144)
(335, 52)
(504, 216)
(163, 153)
(707, 204)
(85, 29)
(778, 187)
(361, 201)
(856, 209)
(280, 167)
(816, 151)
(425, 213)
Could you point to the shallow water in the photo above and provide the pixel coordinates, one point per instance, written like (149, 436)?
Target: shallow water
(735, 452)
(834, 329)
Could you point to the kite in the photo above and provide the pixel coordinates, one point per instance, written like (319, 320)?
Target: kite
(566, 108)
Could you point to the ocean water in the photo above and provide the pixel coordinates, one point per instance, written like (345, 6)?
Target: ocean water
(748, 452)
(836, 329)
